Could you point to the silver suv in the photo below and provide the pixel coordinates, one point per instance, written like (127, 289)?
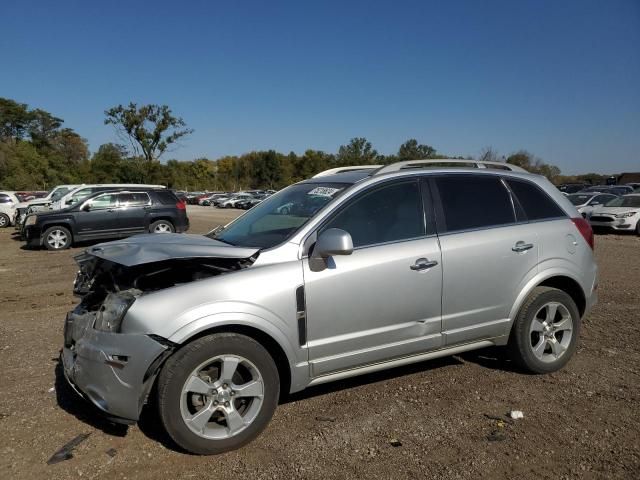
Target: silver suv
(368, 269)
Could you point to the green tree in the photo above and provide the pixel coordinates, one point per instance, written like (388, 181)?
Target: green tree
(358, 151)
(150, 129)
(107, 163)
(412, 150)
(14, 119)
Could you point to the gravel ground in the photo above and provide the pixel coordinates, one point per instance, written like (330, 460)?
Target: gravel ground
(426, 420)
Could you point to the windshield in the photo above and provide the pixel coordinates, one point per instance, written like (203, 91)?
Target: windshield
(278, 217)
(58, 193)
(632, 201)
(577, 199)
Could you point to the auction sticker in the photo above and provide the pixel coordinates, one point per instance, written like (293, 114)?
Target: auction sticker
(324, 191)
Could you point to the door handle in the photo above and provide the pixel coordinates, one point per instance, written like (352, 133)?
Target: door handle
(423, 264)
(522, 247)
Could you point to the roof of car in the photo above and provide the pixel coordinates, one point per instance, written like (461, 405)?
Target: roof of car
(349, 177)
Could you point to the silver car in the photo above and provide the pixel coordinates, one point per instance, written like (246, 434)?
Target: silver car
(372, 269)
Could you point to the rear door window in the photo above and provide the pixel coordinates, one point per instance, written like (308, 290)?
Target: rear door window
(5, 198)
(537, 204)
(134, 199)
(469, 202)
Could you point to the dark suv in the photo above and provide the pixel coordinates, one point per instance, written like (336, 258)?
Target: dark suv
(110, 214)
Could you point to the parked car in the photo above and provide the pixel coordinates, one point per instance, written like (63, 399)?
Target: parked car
(211, 199)
(248, 204)
(612, 189)
(586, 202)
(621, 214)
(41, 203)
(8, 202)
(79, 194)
(107, 214)
(232, 200)
(569, 188)
(397, 266)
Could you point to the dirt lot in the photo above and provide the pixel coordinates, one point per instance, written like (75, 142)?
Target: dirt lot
(583, 422)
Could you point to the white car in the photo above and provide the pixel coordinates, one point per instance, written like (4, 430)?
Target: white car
(620, 214)
(587, 202)
(8, 202)
(231, 202)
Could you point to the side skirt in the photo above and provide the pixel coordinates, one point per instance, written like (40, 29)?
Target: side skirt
(376, 367)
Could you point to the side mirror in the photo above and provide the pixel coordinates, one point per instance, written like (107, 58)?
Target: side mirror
(330, 242)
(86, 207)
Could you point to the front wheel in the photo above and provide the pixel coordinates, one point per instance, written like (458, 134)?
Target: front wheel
(218, 393)
(545, 333)
(5, 221)
(161, 226)
(57, 238)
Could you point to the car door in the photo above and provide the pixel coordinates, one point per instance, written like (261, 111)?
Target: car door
(133, 210)
(383, 300)
(489, 252)
(98, 217)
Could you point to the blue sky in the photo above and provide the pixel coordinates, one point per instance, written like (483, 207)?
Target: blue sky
(558, 78)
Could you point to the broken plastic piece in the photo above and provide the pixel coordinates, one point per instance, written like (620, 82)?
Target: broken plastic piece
(516, 414)
(65, 452)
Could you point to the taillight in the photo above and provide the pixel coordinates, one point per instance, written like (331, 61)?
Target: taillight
(584, 227)
(181, 205)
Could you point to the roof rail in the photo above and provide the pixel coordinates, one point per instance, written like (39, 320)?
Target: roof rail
(333, 171)
(394, 167)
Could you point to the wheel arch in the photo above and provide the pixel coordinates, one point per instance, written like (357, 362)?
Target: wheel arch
(561, 280)
(263, 338)
(57, 223)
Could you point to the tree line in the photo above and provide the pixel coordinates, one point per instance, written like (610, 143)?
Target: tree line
(37, 153)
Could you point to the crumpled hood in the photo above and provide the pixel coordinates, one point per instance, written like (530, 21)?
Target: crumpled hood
(156, 247)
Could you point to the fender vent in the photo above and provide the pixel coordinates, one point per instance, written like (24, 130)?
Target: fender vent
(301, 315)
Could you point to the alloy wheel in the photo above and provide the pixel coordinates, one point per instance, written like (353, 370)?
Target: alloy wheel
(162, 228)
(222, 397)
(57, 239)
(551, 331)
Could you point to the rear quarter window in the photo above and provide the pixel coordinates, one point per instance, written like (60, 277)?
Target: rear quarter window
(166, 197)
(536, 203)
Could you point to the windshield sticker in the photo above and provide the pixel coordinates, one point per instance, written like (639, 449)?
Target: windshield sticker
(324, 191)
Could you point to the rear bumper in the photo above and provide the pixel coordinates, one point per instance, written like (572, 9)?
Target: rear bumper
(114, 371)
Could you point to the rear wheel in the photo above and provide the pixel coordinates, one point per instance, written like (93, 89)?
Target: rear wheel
(545, 332)
(162, 226)
(218, 393)
(5, 221)
(57, 238)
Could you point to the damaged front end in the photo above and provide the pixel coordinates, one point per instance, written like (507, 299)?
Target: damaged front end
(114, 369)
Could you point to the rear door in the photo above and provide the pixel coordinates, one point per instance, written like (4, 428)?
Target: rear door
(489, 252)
(133, 212)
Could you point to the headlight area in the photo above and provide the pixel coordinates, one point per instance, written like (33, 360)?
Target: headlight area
(30, 220)
(113, 309)
(625, 215)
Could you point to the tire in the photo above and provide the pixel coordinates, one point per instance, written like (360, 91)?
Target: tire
(545, 333)
(178, 405)
(5, 221)
(638, 228)
(162, 226)
(57, 238)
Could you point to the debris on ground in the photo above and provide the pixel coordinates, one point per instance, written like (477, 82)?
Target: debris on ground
(112, 452)
(516, 414)
(394, 442)
(322, 418)
(52, 389)
(499, 418)
(496, 436)
(65, 452)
